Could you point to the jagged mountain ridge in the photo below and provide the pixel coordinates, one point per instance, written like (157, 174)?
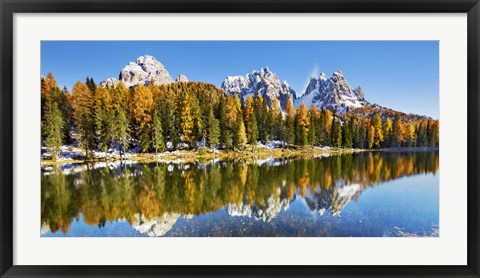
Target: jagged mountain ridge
(332, 93)
(264, 83)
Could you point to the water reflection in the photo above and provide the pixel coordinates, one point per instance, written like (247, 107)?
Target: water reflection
(152, 198)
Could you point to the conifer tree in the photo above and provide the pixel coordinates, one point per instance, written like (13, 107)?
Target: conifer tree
(213, 130)
(387, 132)
(253, 132)
(376, 123)
(303, 124)
(240, 136)
(224, 129)
(142, 112)
(158, 142)
(123, 131)
(104, 119)
(409, 134)
(186, 119)
(91, 85)
(371, 136)
(336, 133)
(312, 131)
(84, 115)
(398, 133)
(52, 128)
(248, 116)
(347, 136)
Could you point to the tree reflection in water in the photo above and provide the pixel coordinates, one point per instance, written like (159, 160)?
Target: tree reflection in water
(152, 197)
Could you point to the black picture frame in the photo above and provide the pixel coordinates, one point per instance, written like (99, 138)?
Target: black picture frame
(10, 7)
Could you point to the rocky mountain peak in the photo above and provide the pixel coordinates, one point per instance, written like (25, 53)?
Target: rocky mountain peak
(142, 71)
(181, 78)
(332, 93)
(263, 82)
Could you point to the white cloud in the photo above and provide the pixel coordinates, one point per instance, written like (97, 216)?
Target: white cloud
(315, 72)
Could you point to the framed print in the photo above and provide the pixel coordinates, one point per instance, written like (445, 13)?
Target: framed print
(266, 138)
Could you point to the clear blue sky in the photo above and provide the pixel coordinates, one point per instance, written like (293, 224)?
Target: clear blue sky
(402, 75)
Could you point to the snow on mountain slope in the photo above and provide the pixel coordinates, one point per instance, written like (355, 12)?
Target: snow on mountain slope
(263, 82)
(332, 93)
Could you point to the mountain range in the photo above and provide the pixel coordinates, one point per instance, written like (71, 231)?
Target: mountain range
(333, 93)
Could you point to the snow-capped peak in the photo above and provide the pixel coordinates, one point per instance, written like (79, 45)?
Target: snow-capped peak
(332, 93)
(264, 83)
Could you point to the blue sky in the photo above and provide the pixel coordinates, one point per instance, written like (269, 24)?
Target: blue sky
(402, 75)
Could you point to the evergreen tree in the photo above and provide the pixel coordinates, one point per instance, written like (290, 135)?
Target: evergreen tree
(213, 130)
(52, 128)
(224, 130)
(142, 111)
(347, 134)
(158, 142)
(91, 85)
(123, 131)
(104, 119)
(253, 131)
(336, 133)
(312, 131)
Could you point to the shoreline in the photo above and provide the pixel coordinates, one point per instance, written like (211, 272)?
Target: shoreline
(248, 154)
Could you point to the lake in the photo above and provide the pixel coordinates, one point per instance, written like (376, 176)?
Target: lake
(371, 194)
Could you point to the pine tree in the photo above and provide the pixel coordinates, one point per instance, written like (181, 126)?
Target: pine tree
(123, 131)
(254, 131)
(142, 112)
(158, 142)
(104, 119)
(52, 128)
(312, 131)
(347, 136)
(213, 130)
(433, 133)
(186, 119)
(336, 133)
(91, 85)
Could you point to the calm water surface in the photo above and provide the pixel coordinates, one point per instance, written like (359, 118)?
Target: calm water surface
(361, 195)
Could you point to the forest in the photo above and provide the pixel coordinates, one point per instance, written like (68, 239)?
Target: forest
(189, 115)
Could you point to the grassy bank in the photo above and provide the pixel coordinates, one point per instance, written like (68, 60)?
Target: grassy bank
(185, 156)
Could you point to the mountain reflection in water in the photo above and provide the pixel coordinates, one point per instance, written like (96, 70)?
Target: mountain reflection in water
(199, 198)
